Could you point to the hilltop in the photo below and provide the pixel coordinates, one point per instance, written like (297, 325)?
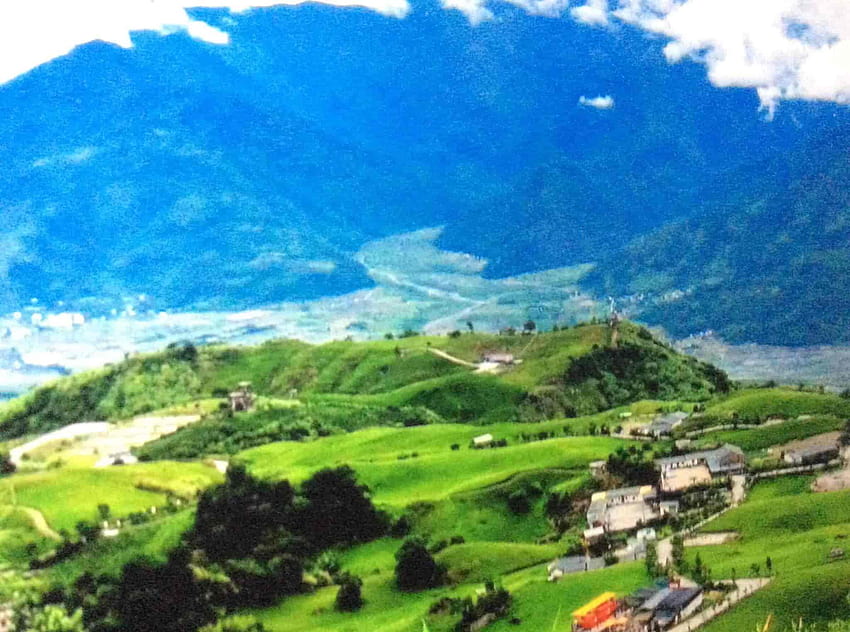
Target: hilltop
(346, 385)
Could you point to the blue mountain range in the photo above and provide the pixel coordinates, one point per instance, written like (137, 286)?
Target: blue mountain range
(209, 176)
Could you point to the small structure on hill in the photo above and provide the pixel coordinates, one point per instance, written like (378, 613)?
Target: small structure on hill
(598, 469)
(623, 509)
(821, 448)
(242, 399)
(117, 458)
(482, 441)
(573, 564)
(499, 357)
(683, 471)
(663, 425)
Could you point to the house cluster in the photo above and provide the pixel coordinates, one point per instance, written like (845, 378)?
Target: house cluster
(623, 509)
(650, 609)
(678, 473)
(626, 509)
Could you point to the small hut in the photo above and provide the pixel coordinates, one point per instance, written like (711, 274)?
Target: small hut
(242, 399)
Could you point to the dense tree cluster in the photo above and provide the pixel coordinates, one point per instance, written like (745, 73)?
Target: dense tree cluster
(632, 372)
(249, 546)
(633, 466)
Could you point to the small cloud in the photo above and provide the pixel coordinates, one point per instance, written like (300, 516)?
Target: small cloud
(593, 12)
(600, 102)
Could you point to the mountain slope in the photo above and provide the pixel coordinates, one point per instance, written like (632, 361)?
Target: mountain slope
(252, 173)
(770, 266)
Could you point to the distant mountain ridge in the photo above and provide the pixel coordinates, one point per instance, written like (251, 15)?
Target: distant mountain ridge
(228, 177)
(771, 265)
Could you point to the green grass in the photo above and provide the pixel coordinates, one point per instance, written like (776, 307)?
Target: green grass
(108, 555)
(755, 405)
(385, 372)
(480, 561)
(754, 439)
(66, 496)
(541, 605)
(437, 473)
(797, 530)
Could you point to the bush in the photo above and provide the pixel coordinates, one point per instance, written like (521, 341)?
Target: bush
(519, 503)
(415, 568)
(349, 597)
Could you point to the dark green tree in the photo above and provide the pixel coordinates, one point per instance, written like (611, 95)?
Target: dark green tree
(349, 597)
(415, 568)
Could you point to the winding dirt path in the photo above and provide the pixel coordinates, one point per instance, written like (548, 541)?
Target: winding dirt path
(452, 359)
(40, 523)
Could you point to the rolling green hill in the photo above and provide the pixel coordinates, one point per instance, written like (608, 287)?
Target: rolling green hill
(563, 373)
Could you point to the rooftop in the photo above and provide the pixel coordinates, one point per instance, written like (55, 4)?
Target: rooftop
(594, 604)
(646, 491)
(717, 460)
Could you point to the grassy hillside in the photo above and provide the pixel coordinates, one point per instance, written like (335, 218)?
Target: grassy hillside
(66, 496)
(418, 464)
(757, 405)
(797, 529)
(575, 368)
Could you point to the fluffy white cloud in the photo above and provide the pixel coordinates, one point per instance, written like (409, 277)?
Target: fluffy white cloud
(784, 49)
(594, 12)
(600, 102)
(33, 32)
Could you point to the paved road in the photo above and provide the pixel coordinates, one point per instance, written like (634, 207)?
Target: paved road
(746, 587)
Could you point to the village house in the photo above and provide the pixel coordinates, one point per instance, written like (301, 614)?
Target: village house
(482, 441)
(663, 425)
(573, 564)
(623, 509)
(598, 469)
(602, 613)
(242, 399)
(818, 449)
(661, 607)
(499, 357)
(683, 471)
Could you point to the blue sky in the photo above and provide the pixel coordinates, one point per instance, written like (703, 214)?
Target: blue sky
(782, 49)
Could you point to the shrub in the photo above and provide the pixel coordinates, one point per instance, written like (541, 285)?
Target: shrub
(415, 568)
(519, 503)
(349, 597)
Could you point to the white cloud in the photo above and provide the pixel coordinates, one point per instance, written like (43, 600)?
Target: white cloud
(594, 12)
(600, 102)
(33, 32)
(784, 49)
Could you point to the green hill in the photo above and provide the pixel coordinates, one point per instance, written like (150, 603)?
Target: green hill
(562, 373)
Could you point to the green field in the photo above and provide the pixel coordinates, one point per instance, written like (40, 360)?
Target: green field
(541, 605)
(67, 496)
(437, 472)
(757, 405)
(797, 529)
(756, 439)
